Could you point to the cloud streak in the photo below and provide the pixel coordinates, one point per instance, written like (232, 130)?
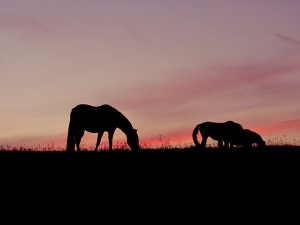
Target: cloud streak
(286, 38)
(195, 84)
(283, 126)
(22, 22)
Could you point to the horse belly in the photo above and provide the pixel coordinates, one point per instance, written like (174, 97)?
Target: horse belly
(215, 137)
(99, 126)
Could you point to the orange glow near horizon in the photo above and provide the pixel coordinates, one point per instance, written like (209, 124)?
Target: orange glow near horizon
(177, 139)
(293, 125)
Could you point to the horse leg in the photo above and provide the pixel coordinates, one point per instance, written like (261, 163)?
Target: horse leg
(110, 138)
(226, 144)
(203, 142)
(220, 144)
(98, 140)
(78, 137)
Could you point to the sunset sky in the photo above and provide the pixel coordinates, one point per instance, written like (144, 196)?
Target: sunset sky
(167, 65)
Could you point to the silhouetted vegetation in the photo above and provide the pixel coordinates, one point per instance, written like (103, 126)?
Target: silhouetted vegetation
(164, 145)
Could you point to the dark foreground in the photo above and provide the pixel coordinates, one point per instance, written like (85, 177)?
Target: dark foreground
(192, 157)
(210, 172)
(237, 151)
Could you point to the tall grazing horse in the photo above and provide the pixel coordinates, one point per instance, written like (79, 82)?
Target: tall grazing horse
(218, 131)
(247, 139)
(98, 119)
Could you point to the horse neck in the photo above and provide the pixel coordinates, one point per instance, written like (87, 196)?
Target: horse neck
(125, 126)
(258, 138)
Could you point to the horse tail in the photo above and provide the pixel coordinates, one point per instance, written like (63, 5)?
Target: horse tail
(195, 132)
(71, 136)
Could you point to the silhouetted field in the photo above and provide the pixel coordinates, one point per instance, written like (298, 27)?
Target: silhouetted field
(191, 154)
(278, 152)
(279, 147)
(254, 167)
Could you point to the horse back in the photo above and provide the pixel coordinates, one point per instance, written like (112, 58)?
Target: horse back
(94, 118)
(220, 131)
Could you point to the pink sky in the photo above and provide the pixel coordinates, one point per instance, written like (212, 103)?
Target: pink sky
(167, 65)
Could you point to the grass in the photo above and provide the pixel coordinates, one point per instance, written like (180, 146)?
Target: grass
(164, 145)
(278, 158)
(117, 146)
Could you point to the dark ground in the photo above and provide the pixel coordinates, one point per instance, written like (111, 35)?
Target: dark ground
(275, 156)
(213, 169)
(231, 179)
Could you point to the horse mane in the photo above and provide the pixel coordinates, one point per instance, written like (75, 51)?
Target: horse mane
(126, 126)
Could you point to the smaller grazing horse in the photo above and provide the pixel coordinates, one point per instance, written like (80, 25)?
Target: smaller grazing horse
(98, 119)
(247, 139)
(218, 131)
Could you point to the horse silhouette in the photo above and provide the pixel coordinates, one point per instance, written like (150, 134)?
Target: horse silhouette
(98, 119)
(247, 139)
(220, 132)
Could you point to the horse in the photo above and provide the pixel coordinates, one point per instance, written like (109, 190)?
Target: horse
(217, 131)
(99, 119)
(247, 139)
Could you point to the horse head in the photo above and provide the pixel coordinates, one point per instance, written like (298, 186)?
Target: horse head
(133, 140)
